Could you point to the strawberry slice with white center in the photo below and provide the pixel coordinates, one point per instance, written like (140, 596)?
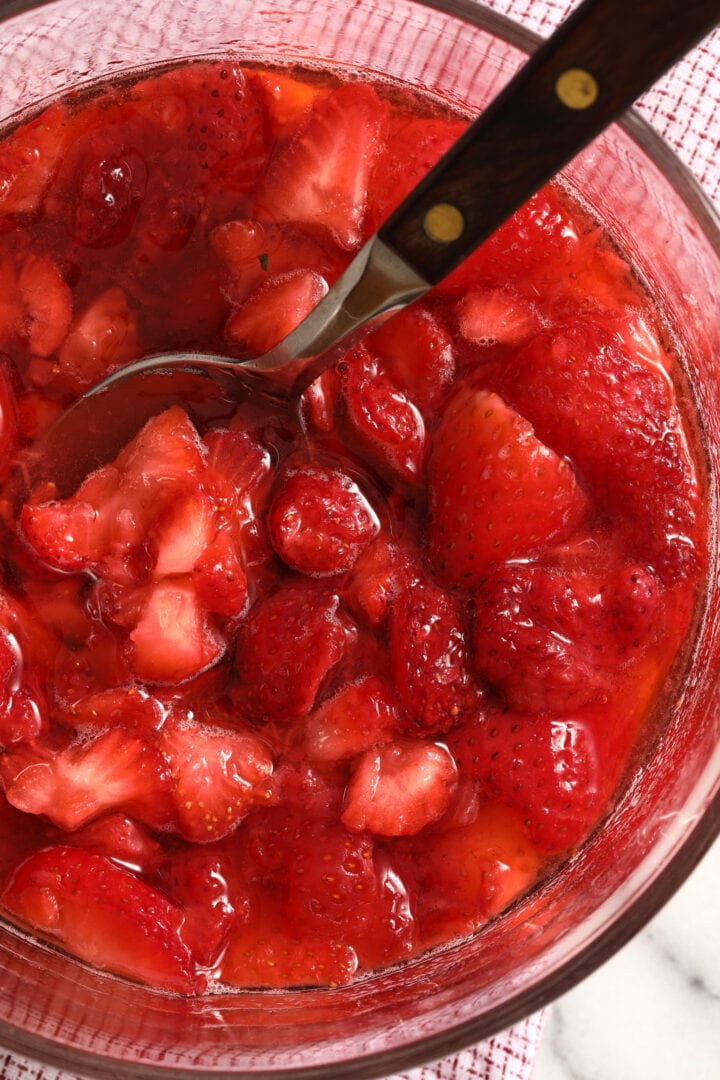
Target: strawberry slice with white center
(73, 786)
(496, 317)
(319, 177)
(219, 775)
(106, 521)
(274, 310)
(128, 707)
(175, 637)
(182, 534)
(29, 159)
(359, 716)
(495, 490)
(103, 915)
(103, 336)
(398, 789)
(36, 304)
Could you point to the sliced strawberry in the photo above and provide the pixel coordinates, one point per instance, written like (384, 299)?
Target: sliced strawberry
(286, 648)
(219, 577)
(467, 875)
(417, 353)
(255, 252)
(197, 881)
(495, 490)
(29, 158)
(115, 771)
(554, 636)
(382, 574)
(238, 473)
(320, 521)
(103, 915)
(36, 304)
(496, 317)
(216, 115)
(47, 304)
(350, 891)
(263, 952)
(104, 525)
(319, 177)
(616, 417)
(269, 314)
(122, 840)
(414, 145)
(163, 454)
(287, 100)
(103, 336)
(175, 638)
(359, 716)
(182, 534)
(111, 184)
(128, 707)
(428, 658)
(398, 789)
(319, 401)
(218, 774)
(388, 428)
(64, 535)
(543, 766)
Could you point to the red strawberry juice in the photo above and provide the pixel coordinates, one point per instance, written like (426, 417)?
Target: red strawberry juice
(282, 704)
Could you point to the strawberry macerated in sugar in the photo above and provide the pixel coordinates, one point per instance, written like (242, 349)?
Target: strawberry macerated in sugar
(289, 698)
(555, 635)
(496, 491)
(103, 914)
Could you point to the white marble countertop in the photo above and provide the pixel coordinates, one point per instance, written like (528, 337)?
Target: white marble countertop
(653, 1011)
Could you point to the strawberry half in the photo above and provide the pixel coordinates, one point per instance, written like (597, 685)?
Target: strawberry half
(416, 351)
(218, 775)
(116, 771)
(350, 893)
(318, 178)
(264, 952)
(286, 648)
(103, 915)
(615, 415)
(468, 874)
(270, 313)
(320, 520)
(398, 789)
(495, 490)
(546, 767)
(385, 425)
(554, 637)
(197, 881)
(428, 658)
(359, 716)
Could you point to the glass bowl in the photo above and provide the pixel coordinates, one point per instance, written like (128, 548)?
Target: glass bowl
(57, 1010)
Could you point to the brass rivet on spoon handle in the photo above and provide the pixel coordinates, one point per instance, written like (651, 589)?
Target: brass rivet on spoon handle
(444, 223)
(577, 88)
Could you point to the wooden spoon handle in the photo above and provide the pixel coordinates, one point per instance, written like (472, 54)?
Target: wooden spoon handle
(585, 76)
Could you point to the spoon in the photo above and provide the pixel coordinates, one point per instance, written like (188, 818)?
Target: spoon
(582, 78)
